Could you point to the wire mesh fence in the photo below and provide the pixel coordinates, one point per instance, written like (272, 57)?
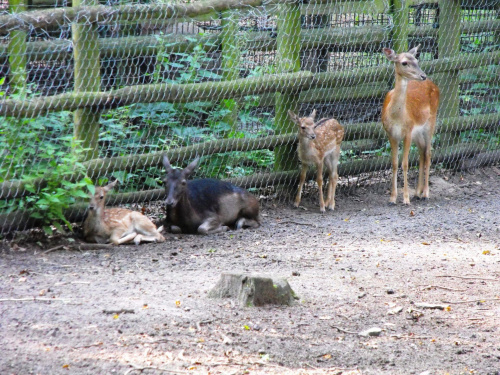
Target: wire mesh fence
(96, 91)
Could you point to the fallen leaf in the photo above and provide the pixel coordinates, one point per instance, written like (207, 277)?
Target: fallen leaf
(426, 243)
(145, 306)
(178, 303)
(116, 316)
(246, 327)
(412, 213)
(486, 252)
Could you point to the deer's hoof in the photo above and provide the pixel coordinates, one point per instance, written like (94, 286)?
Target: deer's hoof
(392, 204)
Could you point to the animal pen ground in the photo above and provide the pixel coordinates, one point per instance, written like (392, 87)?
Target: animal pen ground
(93, 92)
(144, 309)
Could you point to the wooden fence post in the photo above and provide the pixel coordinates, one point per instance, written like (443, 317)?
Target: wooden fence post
(449, 47)
(288, 60)
(87, 78)
(17, 52)
(399, 9)
(231, 55)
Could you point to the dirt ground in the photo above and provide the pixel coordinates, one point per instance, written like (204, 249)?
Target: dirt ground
(131, 310)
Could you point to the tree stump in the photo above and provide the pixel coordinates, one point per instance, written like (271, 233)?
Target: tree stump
(253, 290)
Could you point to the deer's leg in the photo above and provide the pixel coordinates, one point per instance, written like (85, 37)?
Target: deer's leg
(319, 180)
(142, 238)
(427, 167)
(331, 164)
(246, 223)
(211, 225)
(303, 172)
(335, 174)
(394, 179)
(421, 164)
(116, 239)
(406, 153)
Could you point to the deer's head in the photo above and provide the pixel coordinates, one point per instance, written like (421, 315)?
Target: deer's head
(406, 64)
(306, 124)
(176, 181)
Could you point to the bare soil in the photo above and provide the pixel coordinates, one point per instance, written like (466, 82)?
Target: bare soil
(131, 310)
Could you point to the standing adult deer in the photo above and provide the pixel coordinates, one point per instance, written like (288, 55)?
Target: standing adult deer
(116, 225)
(206, 205)
(319, 142)
(409, 114)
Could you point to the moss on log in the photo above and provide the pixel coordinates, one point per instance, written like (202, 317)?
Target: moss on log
(354, 133)
(21, 220)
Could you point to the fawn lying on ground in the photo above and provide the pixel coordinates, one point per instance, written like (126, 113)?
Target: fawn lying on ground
(206, 205)
(117, 225)
(409, 113)
(319, 142)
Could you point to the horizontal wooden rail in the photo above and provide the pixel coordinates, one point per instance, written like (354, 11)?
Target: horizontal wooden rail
(129, 13)
(178, 93)
(347, 39)
(21, 220)
(374, 130)
(164, 92)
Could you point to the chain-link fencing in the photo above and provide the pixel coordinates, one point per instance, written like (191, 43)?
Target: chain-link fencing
(96, 91)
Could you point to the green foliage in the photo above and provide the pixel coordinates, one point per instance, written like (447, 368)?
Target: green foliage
(49, 202)
(38, 149)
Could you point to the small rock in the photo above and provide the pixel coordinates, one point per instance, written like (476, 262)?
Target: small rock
(432, 306)
(374, 331)
(390, 291)
(395, 310)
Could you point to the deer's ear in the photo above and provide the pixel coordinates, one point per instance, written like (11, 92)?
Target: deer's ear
(390, 54)
(190, 168)
(313, 114)
(293, 117)
(414, 50)
(166, 163)
(110, 186)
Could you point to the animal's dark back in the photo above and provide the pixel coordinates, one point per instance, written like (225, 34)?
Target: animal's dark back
(204, 193)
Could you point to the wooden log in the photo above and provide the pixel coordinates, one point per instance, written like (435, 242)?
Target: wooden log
(87, 71)
(230, 64)
(354, 132)
(114, 14)
(164, 92)
(17, 53)
(21, 220)
(175, 93)
(400, 31)
(354, 39)
(288, 60)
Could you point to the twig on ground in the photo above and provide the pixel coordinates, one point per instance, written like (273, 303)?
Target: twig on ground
(410, 337)
(472, 301)
(121, 311)
(468, 277)
(87, 346)
(53, 249)
(442, 287)
(343, 330)
(298, 223)
(80, 247)
(34, 299)
(141, 369)
(198, 324)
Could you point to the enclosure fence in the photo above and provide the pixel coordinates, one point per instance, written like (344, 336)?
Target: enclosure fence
(95, 91)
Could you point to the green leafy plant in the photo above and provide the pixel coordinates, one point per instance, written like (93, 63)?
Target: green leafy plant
(60, 190)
